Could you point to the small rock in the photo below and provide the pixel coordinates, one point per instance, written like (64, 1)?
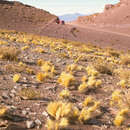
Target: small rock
(45, 113)
(13, 107)
(38, 122)
(28, 109)
(35, 86)
(30, 124)
(32, 113)
(13, 91)
(58, 60)
(37, 104)
(24, 112)
(5, 95)
(24, 78)
(12, 95)
(38, 127)
(15, 87)
(25, 85)
(3, 123)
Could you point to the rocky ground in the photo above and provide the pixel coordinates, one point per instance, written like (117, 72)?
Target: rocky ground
(30, 68)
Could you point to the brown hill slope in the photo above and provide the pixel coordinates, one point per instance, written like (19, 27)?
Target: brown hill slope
(113, 14)
(17, 16)
(25, 18)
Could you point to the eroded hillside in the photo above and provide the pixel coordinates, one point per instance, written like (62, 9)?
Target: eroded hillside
(113, 14)
(17, 16)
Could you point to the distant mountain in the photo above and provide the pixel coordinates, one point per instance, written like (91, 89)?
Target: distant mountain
(70, 17)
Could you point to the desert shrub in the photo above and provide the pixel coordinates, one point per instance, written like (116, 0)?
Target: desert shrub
(16, 78)
(9, 53)
(125, 59)
(120, 102)
(124, 74)
(3, 42)
(29, 94)
(17, 68)
(104, 68)
(112, 52)
(14, 68)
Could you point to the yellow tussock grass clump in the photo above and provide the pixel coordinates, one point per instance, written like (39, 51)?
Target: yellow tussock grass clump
(16, 78)
(65, 79)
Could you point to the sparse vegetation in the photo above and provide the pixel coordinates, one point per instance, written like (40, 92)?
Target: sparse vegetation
(29, 94)
(69, 82)
(16, 77)
(125, 59)
(104, 68)
(9, 53)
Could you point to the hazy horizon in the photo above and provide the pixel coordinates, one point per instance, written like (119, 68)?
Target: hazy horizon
(59, 7)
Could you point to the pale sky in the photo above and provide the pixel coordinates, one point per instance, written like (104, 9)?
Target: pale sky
(59, 7)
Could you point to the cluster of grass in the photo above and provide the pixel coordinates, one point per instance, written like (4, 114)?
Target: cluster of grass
(9, 53)
(19, 68)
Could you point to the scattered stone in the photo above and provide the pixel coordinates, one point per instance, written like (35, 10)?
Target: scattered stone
(5, 95)
(30, 124)
(28, 109)
(45, 113)
(15, 87)
(24, 112)
(37, 104)
(25, 85)
(35, 86)
(58, 60)
(13, 91)
(32, 113)
(38, 122)
(12, 95)
(13, 107)
(24, 78)
(3, 123)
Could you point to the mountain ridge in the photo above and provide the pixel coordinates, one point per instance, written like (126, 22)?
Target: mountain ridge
(112, 14)
(18, 16)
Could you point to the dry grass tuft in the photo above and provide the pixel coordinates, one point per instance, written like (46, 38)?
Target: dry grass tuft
(14, 68)
(11, 68)
(124, 74)
(29, 94)
(125, 59)
(112, 52)
(104, 68)
(9, 53)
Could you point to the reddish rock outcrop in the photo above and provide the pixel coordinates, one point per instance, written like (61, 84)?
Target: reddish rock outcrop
(113, 14)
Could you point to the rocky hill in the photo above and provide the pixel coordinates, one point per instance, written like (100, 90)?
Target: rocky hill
(112, 14)
(24, 18)
(17, 16)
